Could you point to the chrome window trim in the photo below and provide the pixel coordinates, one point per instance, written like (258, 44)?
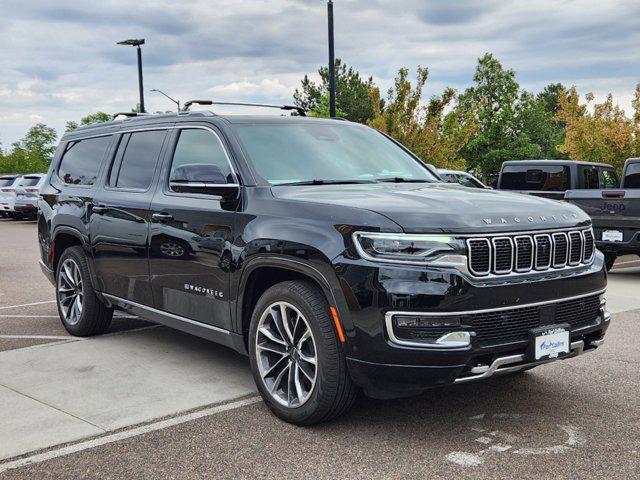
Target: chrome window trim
(474, 272)
(495, 257)
(566, 257)
(533, 253)
(535, 241)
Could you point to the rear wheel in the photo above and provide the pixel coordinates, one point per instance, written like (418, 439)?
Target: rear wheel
(296, 360)
(609, 260)
(80, 310)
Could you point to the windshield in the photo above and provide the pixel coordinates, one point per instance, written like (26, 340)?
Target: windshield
(295, 153)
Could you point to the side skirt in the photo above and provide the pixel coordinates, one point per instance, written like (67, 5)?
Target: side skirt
(199, 329)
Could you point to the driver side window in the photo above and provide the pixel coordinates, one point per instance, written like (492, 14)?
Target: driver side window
(200, 155)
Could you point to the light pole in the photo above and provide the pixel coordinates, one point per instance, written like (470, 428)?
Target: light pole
(177, 102)
(136, 43)
(332, 64)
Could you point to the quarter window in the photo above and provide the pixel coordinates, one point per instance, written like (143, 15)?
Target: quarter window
(136, 159)
(609, 179)
(198, 149)
(81, 160)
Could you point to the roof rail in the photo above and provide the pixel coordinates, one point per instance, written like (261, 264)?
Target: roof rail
(301, 111)
(128, 114)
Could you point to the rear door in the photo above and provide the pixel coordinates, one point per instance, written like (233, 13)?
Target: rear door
(119, 216)
(192, 234)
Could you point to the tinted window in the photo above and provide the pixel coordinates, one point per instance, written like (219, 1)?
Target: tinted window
(449, 178)
(29, 181)
(468, 181)
(202, 148)
(609, 178)
(590, 177)
(632, 177)
(541, 178)
(336, 151)
(139, 152)
(6, 182)
(81, 160)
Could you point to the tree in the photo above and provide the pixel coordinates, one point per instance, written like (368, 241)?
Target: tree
(352, 93)
(32, 153)
(428, 131)
(500, 112)
(606, 135)
(97, 117)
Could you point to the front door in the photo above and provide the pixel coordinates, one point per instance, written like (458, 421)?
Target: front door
(119, 217)
(191, 236)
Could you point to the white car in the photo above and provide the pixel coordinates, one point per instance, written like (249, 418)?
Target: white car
(8, 184)
(27, 194)
(463, 178)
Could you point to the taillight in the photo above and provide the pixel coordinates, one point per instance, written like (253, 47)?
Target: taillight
(32, 190)
(8, 190)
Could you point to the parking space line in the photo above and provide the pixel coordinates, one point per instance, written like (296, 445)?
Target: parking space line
(27, 304)
(29, 316)
(132, 432)
(36, 337)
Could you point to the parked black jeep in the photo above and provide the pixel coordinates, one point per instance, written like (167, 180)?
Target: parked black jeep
(321, 248)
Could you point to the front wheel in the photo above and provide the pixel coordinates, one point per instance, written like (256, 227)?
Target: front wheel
(296, 359)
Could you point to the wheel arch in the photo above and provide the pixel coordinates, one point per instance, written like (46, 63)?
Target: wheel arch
(65, 237)
(262, 273)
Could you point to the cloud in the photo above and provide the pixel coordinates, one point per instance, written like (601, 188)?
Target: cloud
(60, 60)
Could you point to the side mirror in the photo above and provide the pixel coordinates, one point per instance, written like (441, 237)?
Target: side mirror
(202, 178)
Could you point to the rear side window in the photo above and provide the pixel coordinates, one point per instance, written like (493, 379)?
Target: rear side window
(552, 178)
(136, 160)
(81, 160)
(590, 178)
(448, 178)
(632, 177)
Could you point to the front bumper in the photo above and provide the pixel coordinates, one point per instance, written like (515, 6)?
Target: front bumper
(385, 367)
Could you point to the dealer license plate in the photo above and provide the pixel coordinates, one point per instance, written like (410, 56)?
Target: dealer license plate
(551, 343)
(612, 236)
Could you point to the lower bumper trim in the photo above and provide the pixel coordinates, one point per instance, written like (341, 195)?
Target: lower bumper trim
(506, 364)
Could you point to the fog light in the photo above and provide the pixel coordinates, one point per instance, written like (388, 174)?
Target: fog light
(419, 321)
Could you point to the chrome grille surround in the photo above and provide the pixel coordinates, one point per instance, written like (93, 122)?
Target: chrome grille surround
(531, 252)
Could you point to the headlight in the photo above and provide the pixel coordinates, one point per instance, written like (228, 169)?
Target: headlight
(407, 248)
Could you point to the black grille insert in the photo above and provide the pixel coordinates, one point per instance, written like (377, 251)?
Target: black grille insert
(524, 254)
(502, 255)
(588, 245)
(513, 325)
(575, 250)
(560, 249)
(480, 256)
(543, 251)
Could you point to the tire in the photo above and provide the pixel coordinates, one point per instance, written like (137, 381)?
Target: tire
(609, 260)
(15, 216)
(73, 285)
(332, 392)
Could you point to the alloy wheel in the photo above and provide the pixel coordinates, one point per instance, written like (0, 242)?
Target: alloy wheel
(172, 249)
(70, 293)
(286, 354)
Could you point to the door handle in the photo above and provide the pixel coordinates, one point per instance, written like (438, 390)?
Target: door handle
(162, 217)
(99, 209)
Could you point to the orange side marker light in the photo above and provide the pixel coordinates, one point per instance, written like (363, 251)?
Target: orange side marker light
(336, 321)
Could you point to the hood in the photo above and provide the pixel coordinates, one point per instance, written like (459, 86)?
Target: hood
(444, 207)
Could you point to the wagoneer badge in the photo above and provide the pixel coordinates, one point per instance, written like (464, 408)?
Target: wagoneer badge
(536, 219)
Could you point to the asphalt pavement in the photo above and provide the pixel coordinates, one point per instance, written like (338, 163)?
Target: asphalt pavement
(144, 401)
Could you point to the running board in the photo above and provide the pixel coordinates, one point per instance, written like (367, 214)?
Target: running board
(500, 364)
(199, 329)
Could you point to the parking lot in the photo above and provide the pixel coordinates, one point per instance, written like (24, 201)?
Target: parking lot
(144, 401)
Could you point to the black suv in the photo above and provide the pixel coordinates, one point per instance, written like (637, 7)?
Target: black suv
(322, 249)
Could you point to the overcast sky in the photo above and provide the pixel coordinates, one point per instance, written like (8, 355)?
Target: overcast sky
(59, 60)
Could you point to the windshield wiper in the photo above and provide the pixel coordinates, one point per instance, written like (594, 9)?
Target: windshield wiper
(403, 180)
(325, 182)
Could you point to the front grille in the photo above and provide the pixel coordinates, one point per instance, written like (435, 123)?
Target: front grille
(525, 253)
(513, 325)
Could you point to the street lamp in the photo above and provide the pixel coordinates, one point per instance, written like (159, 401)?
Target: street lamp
(332, 64)
(177, 102)
(136, 43)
